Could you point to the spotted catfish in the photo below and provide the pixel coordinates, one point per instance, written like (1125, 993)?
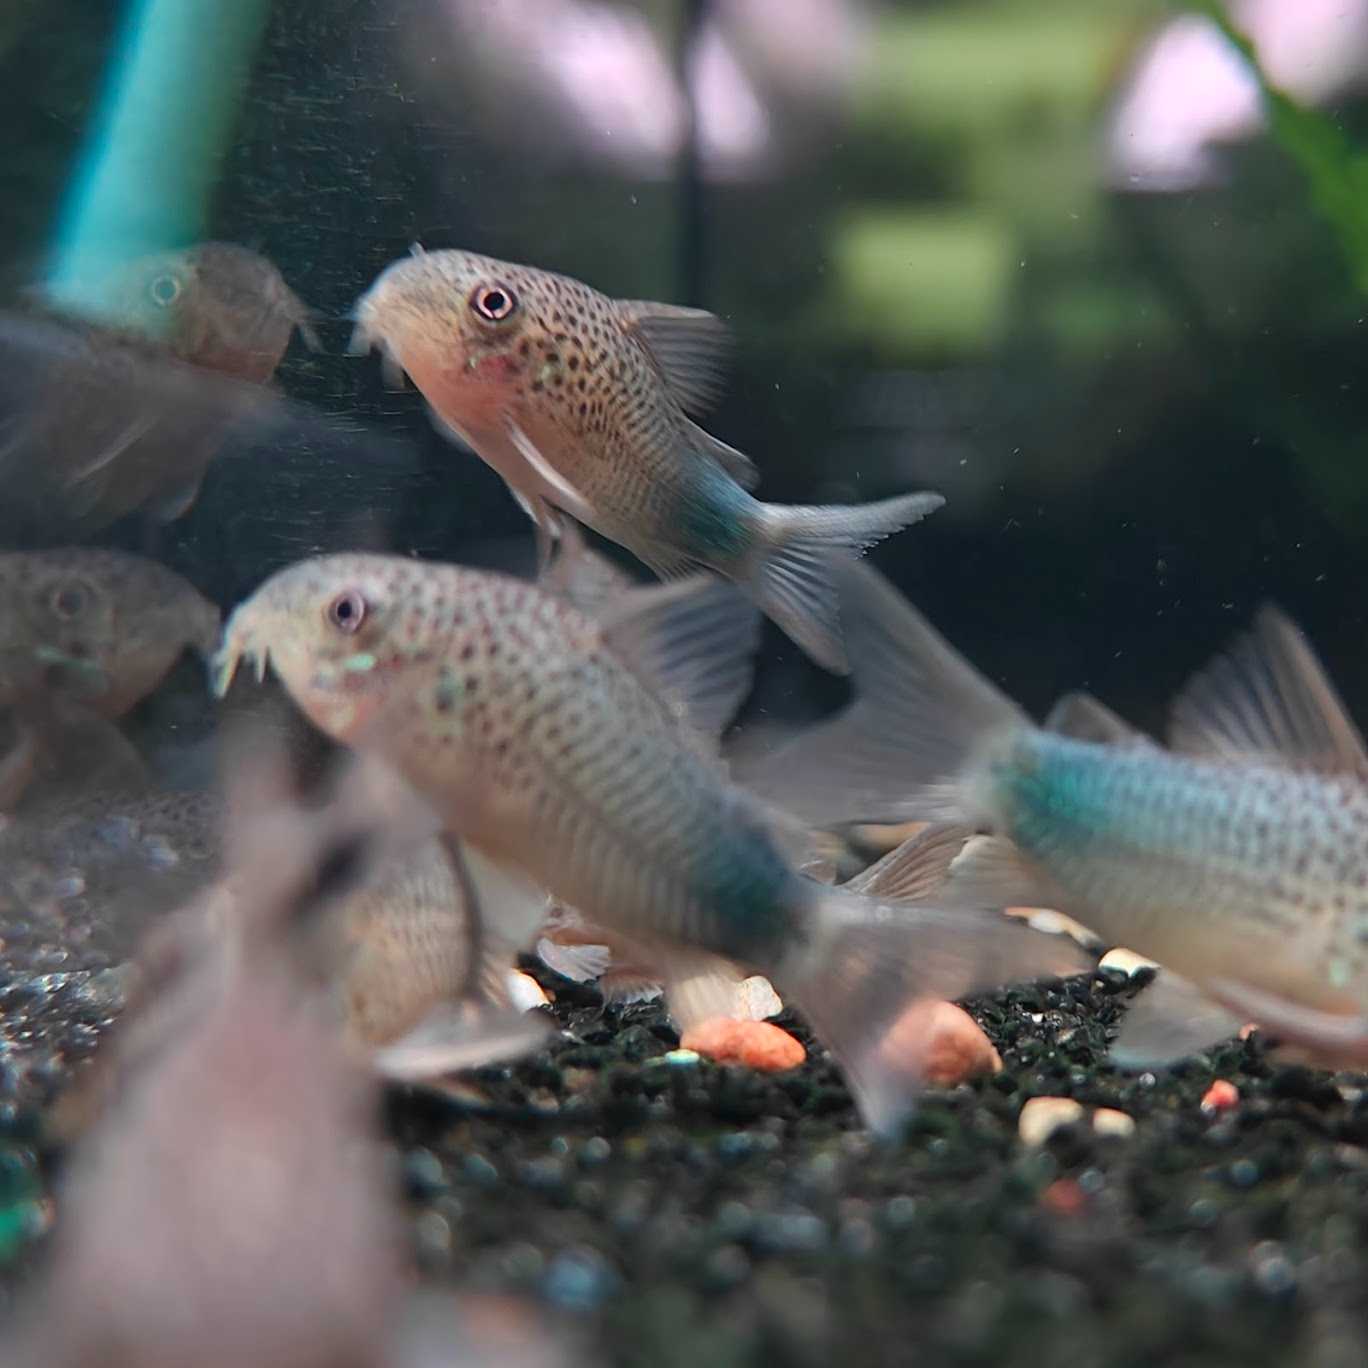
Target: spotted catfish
(582, 402)
(517, 719)
(1238, 860)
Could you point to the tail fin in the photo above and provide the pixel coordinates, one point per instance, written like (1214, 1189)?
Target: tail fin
(789, 572)
(921, 712)
(868, 962)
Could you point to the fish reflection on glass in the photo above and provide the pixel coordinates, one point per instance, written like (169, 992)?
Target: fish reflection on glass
(85, 634)
(581, 404)
(125, 410)
(561, 770)
(1238, 860)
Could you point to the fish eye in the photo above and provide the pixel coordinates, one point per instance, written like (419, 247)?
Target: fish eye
(347, 611)
(68, 601)
(165, 289)
(493, 303)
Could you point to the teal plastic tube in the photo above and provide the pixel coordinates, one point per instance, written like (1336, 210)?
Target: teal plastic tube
(148, 171)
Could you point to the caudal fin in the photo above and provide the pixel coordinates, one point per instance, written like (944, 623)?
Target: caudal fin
(789, 571)
(868, 962)
(920, 714)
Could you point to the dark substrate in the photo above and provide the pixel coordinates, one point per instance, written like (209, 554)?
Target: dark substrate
(684, 1213)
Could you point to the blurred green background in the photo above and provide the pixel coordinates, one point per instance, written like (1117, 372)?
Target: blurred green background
(1146, 408)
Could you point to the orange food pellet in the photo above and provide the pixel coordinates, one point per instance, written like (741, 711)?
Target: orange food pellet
(1221, 1096)
(756, 1044)
(940, 1042)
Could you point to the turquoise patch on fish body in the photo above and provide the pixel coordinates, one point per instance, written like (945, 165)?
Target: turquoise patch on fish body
(713, 515)
(1072, 795)
(746, 889)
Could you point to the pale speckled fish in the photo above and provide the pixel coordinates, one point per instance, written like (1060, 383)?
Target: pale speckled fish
(515, 717)
(1238, 860)
(102, 418)
(581, 403)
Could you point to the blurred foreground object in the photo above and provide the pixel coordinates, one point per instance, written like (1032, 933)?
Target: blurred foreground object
(1192, 90)
(231, 1208)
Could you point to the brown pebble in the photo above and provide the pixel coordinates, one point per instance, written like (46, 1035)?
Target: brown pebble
(1064, 1198)
(756, 1044)
(942, 1043)
(1221, 1096)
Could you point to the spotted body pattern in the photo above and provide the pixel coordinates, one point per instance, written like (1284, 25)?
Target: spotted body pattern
(508, 709)
(1238, 859)
(516, 717)
(581, 403)
(1274, 862)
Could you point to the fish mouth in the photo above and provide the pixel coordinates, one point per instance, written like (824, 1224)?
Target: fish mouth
(86, 673)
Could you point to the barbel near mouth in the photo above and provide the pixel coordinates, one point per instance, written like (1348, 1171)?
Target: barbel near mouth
(223, 664)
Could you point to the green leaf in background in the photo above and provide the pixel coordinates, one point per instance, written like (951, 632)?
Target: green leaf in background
(1335, 170)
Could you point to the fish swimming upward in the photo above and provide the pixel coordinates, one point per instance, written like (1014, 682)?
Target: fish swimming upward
(1238, 860)
(581, 403)
(561, 770)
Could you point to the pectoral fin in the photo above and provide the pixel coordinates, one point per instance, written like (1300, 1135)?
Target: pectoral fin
(1170, 1019)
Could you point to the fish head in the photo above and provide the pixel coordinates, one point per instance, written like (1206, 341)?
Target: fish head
(338, 631)
(215, 305)
(56, 625)
(481, 338)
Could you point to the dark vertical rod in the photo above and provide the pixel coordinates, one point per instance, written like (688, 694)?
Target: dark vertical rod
(691, 238)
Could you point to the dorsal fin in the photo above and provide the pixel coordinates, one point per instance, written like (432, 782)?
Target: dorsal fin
(736, 463)
(1268, 699)
(917, 868)
(1084, 718)
(692, 642)
(690, 347)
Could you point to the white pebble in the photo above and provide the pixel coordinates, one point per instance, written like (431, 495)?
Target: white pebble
(1042, 1116)
(1109, 1121)
(1127, 961)
(757, 1000)
(524, 991)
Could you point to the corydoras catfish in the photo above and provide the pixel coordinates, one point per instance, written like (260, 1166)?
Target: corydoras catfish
(514, 716)
(109, 623)
(1238, 859)
(581, 403)
(125, 409)
(85, 634)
